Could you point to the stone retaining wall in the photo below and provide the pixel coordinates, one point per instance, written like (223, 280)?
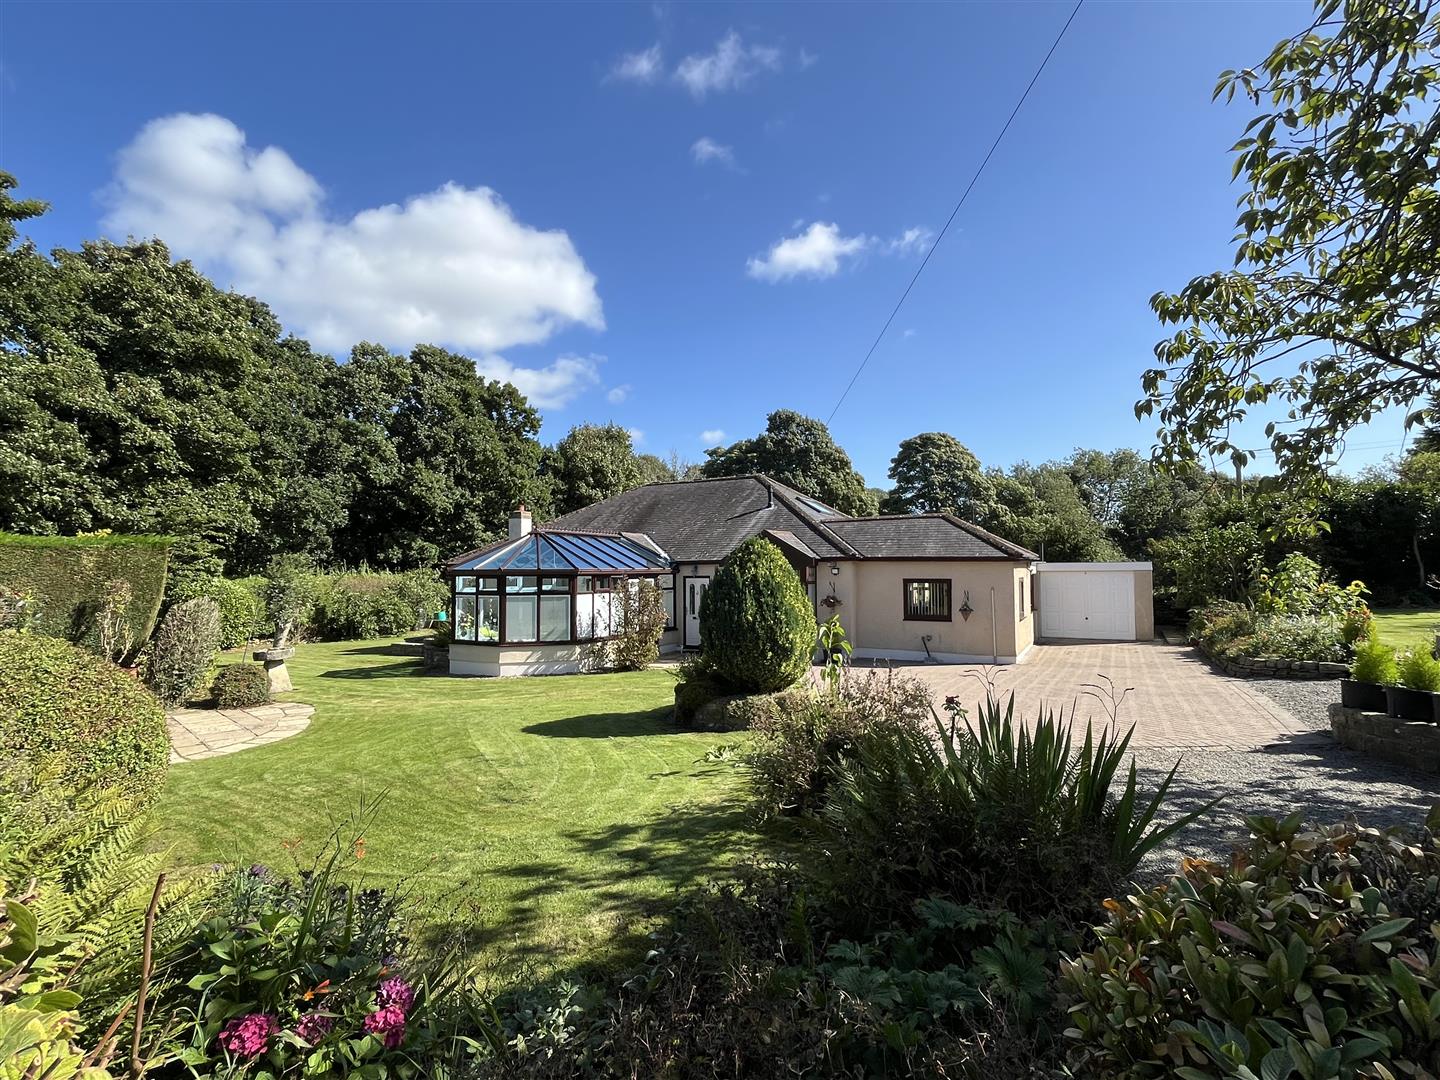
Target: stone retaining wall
(1270, 667)
(1411, 743)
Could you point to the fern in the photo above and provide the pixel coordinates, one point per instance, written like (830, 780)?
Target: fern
(81, 860)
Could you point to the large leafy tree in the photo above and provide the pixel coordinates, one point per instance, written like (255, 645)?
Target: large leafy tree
(442, 455)
(594, 462)
(1039, 506)
(800, 452)
(139, 397)
(934, 472)
(1331, 311)
(1136, 503)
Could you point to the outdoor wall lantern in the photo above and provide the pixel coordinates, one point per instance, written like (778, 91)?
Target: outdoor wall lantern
(965, 609)
(835, 568)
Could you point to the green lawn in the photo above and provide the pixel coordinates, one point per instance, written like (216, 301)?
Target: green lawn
(563, 813)
(1403, 627)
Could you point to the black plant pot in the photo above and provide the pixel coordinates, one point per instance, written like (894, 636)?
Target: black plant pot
(1407, 704)
(1367, 696)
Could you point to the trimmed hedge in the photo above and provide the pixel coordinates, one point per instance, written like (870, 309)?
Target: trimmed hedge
(239, 686)
(61, 703)
(756, 622)
(241, 602)
(67, 577)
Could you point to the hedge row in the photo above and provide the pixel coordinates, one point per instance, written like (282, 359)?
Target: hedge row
(67, 578)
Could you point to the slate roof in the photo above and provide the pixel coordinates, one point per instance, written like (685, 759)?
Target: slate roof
(704, 520)
(924, 536)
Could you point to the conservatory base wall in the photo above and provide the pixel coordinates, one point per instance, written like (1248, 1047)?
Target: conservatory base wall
(502, 661)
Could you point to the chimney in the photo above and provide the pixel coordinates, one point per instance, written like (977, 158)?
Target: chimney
(519, 523)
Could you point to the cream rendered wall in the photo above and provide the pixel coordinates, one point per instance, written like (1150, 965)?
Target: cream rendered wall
(872, 609)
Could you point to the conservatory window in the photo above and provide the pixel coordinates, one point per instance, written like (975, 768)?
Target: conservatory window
(555, 609)
(522, 605)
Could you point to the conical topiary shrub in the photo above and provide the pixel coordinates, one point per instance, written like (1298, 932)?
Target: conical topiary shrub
(757, 627)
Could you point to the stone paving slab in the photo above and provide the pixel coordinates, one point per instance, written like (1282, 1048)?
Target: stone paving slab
(202, 733)
(1174, 699)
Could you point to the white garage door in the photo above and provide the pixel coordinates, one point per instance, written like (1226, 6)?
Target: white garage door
(1095, 604)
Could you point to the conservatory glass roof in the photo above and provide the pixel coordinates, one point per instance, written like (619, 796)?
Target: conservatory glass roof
(600, 553)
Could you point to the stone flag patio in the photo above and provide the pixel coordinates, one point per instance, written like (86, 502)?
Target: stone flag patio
(203, 733)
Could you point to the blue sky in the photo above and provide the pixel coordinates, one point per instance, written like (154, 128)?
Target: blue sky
(675, 217)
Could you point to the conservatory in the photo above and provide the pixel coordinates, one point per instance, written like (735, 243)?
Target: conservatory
(529, 604)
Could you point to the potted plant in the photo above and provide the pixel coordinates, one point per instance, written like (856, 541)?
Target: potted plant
(1373, 669)
(1418, 695)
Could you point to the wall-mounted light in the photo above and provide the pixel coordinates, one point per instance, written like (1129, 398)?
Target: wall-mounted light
(835, 568)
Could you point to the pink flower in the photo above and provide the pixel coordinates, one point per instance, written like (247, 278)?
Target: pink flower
(248, 1035)
(396, 991)
(314, 1026)
(389, 1023)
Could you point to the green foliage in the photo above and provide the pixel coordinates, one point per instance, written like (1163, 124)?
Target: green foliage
(67, 579)
(1374, 662)
(591, 463)
(1311, 956)
(1229, 628)
(836, 649)
(800, 453)
(1040, 507)
(1419, 670)
(756, 622)
(83, 860)
(638, 622)
(935, 473)
(1217, 563)
(100, 726)
(1335, 262)
(356, 606)
(796, 751)
(183, 649)
(1299, 586)
(241, 602)
(239, 686)
(137, 396)
(309, 970)
(991, 812)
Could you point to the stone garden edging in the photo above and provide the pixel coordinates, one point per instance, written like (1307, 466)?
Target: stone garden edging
(1412, 743)
(1274, 667)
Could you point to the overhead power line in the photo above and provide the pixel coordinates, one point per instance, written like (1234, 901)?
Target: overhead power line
(925, 261)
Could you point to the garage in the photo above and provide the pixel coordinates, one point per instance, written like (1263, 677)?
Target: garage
(1095, 601)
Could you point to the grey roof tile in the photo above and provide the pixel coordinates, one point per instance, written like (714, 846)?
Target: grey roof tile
(925, 536)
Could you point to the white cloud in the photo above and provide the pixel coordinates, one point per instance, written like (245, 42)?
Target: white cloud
(822, 251)
(636, 435)
(713, 437)
(453, 266)
(819, 252)
(911, 242)
(616, 394)
(730, 66)
(807, 59)
(551, 387)
(706, 149)
(644, 66)
(909, 332)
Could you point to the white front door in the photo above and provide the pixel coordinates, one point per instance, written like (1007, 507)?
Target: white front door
(1093, 604)
(694, 589)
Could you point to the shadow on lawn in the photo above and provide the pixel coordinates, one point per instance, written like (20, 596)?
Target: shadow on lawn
(677, 850)
(402, 669)
(655, 721)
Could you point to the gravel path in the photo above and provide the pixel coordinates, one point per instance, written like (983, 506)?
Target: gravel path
(1308, 772)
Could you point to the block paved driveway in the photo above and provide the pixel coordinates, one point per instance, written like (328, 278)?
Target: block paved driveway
(1172, 696)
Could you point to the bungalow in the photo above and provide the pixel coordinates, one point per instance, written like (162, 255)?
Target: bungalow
(906, 587)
